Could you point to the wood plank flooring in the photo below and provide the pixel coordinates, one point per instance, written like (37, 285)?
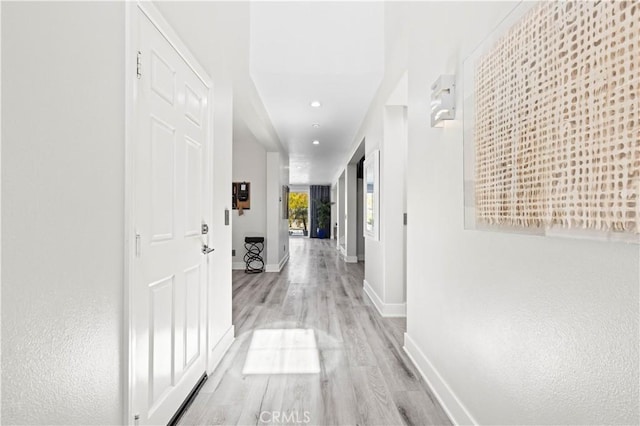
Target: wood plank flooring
(365, 377)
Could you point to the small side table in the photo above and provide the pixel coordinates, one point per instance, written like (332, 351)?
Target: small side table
(253, 257)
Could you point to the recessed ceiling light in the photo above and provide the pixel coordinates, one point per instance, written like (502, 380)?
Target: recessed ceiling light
(316, 142)
(316, 104)
(315, 125)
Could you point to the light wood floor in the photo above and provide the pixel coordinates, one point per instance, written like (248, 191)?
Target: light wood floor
(365, 377)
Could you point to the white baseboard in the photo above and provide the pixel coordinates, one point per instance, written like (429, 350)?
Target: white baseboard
(284, 260)
(278, 267)
(220, 349)
(385, 309)
(238, 266)
(348, 259)
(449, 401)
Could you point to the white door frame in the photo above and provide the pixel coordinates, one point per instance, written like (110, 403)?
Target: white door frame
(132, 31)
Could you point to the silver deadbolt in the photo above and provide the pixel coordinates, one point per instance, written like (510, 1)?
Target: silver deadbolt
(205, 229)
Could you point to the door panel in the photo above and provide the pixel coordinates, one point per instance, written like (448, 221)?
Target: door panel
(169, 292)
(191, 347)
(193, 106)
(163, 156)
(163, 77)
(161, 339)
(193, 198)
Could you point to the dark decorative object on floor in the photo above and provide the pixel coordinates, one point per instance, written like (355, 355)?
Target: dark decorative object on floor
(323, 209)
(318, 194)
(253, 257)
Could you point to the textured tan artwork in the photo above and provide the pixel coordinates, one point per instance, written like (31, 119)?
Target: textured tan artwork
(557, 119)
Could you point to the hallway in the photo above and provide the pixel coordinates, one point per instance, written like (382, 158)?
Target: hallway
(481, 158)
(365, 377)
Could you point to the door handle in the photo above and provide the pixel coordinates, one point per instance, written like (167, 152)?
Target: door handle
(206, 249)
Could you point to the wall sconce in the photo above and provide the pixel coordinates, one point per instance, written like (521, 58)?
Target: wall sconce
(443, 100)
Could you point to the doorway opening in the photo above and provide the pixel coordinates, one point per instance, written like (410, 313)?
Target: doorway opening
(299, 214)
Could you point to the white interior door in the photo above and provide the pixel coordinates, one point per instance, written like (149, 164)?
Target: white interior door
(171, 167)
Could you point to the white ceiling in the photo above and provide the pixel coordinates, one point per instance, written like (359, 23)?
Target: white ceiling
(327, 51)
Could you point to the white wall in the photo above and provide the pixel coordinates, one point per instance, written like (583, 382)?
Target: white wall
(520, 329)
(273, 224)
(360, 220)
(392, 209)
(0, 201)
(220, 294)
(374, 249)
(341, 210)
(385, 129)
(334, 211)
(351, 214)
(283, 247)
(62, 218)
(250, 165)
(277, 228)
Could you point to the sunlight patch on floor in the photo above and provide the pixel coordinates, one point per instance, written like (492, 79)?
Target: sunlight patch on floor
(282, 351)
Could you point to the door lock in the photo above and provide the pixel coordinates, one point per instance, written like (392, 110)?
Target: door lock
(205, 229)
(206, 249)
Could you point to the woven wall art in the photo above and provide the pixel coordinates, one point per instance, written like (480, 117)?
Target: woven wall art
(557, 119)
